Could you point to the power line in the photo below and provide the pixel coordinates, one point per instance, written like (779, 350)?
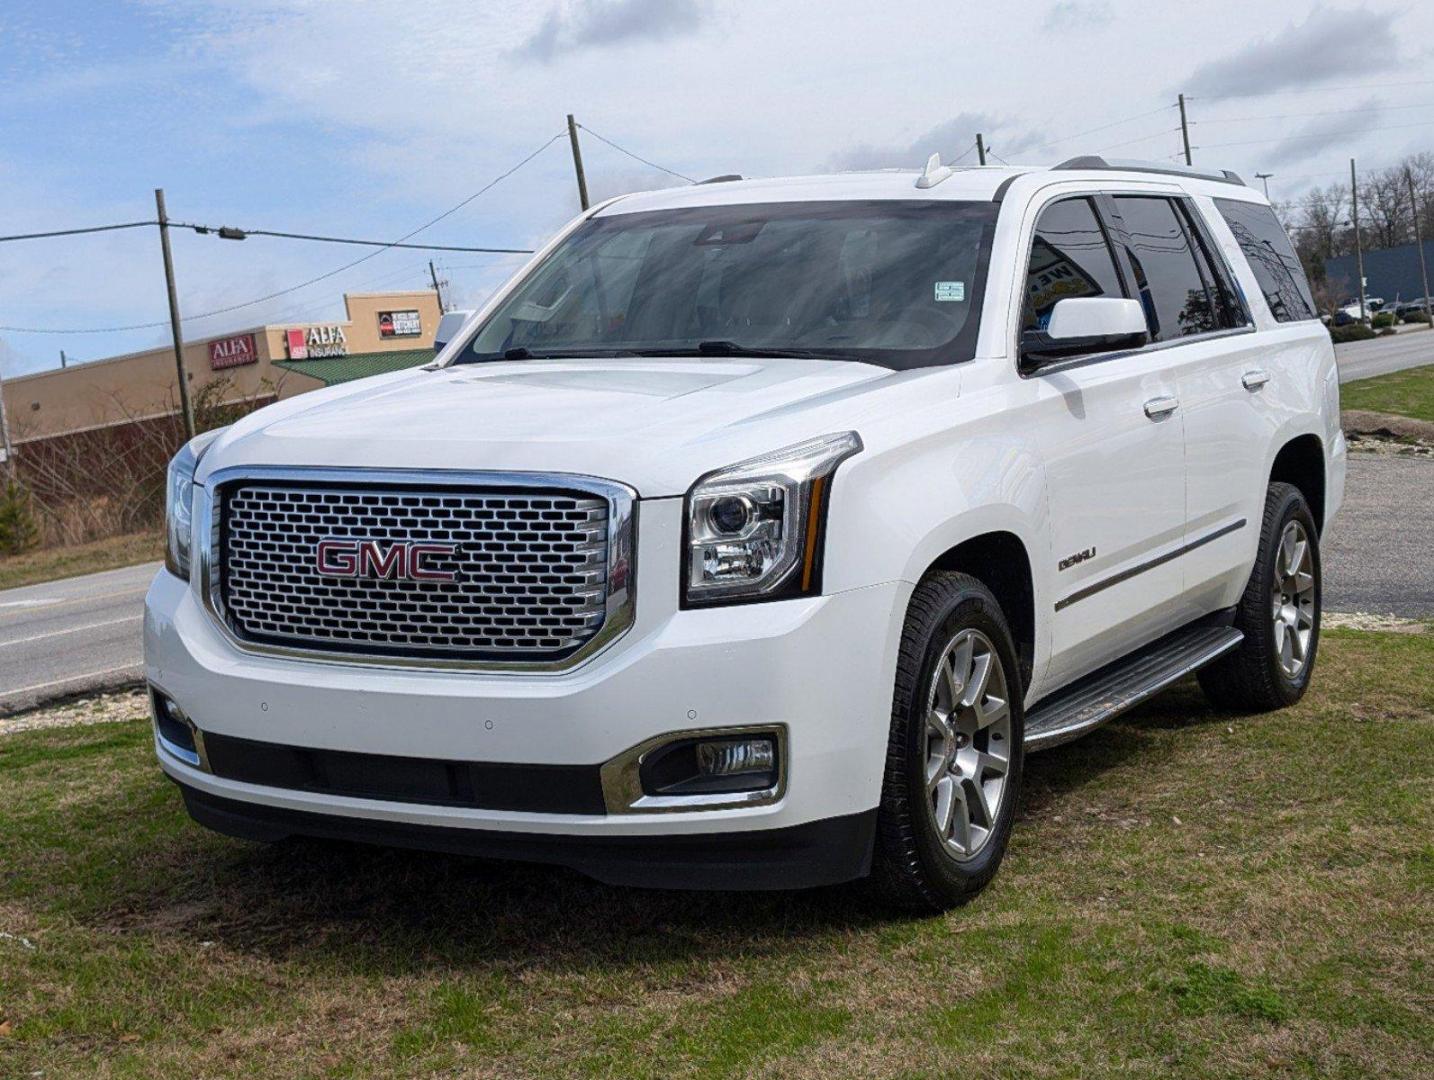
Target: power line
(301, 285)
(637, 157)
(241, 234)
(1102, 127)
(1140, 138)
(1313, 135)
(77, 232)
(964, 155)
(1300, 116)
(1313, 90)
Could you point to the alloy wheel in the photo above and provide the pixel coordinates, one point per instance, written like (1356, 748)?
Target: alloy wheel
(1292, 600)
(967, 743)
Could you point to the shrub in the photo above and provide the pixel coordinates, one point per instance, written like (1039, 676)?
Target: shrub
(1416, 317)
(1352, 332)
(18, 531)
(1382, 319)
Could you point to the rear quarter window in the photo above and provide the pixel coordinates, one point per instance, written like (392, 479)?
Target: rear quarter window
(1271, 257)
(1169, 281)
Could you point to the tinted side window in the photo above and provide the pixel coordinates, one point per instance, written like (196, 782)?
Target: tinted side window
(1070, 256)
(1167, 278)
(1276, 267)
(1218, 280)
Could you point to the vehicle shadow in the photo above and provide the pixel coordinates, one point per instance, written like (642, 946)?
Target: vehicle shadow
(389, 911)
(1053, 776)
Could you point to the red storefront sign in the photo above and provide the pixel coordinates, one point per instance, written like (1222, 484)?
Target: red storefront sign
(233, 352)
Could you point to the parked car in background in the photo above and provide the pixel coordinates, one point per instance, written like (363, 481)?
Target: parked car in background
(754, 533)
(1350, 308)
(1418, 305)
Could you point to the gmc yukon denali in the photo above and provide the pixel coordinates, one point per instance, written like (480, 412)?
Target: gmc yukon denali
(754, 533)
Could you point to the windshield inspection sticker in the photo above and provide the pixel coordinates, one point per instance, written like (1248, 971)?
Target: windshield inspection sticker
(950, 290)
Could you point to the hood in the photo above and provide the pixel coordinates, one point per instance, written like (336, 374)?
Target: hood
(655, 425)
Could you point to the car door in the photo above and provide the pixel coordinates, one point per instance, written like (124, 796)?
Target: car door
(1239, 388)
(1217, 369)
(1112, 447)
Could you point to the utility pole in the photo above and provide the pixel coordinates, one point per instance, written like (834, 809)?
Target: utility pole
(1419, 243)
(62, 358)
(174, 327)
(1358, 245)
(1265, 178)
(434, 275)
(1185, 130)
(578, 161)
(5, 433)
(980, 148)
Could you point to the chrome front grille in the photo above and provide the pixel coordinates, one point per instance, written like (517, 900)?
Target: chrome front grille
(527, 574)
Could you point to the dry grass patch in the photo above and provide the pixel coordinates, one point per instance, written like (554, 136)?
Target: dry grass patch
(52, 563)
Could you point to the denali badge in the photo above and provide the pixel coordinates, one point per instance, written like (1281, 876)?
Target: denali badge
(1078, 557)
(373, 558)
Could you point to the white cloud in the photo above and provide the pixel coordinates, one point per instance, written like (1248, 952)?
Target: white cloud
(405, 111)
(1329, 44)
(1078, 15)
(953, 139)
(570, 26)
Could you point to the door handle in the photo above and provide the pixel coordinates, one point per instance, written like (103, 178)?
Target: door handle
(1253, 380)
(1161, 407)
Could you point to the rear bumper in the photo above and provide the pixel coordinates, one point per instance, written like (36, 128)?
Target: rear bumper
(825, 852)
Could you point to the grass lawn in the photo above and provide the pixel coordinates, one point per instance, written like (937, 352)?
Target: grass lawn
(1186, 894)
(1404, 393)
(36, 566)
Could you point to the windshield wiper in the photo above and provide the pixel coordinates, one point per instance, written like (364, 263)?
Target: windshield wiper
(522, 352)
(732, 348)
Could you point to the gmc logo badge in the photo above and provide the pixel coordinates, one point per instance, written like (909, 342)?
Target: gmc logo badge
(374, 558)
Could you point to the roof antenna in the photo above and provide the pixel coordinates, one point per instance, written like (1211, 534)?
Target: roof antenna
(934, 173)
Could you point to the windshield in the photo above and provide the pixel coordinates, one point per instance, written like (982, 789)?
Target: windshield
(892, 283)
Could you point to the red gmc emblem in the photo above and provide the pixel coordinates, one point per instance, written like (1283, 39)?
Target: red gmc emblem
(374, 558)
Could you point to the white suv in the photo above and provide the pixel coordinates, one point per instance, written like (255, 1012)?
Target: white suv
(754, 533)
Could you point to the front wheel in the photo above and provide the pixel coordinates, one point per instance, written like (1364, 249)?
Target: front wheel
(1279, 614)
(953, 770)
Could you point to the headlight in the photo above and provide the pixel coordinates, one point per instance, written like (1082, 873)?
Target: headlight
(754, 530)
(179, 503)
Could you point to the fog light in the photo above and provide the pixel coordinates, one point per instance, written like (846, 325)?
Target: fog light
(176, 731)
(712, 763)
(736, 758)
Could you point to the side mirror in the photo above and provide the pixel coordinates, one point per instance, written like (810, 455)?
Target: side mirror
(1085, 324)
(449, 327)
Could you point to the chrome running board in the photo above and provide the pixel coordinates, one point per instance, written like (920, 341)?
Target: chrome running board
(1105, 694)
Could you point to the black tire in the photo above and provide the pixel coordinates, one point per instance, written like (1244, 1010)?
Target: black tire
(1252, 679)
(912, 866)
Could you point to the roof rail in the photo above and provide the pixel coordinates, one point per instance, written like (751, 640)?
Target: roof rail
(1094, 161)
(724, 178)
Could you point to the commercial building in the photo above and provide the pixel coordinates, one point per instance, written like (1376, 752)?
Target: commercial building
(1389, 273)
(382, 332)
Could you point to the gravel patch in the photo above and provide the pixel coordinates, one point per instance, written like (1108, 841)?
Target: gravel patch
(1361, 620)
(97, 709)
(1381, 433)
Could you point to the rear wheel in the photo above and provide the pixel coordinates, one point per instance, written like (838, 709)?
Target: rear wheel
(953, 771)
(1279, 614)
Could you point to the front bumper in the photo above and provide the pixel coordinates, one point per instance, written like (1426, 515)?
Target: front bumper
(821, 669)
(826, 852)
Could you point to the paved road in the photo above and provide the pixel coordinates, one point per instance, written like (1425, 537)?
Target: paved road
(82, 634)
(1377, 555)
(1380, 356)
(71, 636)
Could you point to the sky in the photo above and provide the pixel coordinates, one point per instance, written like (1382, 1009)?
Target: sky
(369, 119)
